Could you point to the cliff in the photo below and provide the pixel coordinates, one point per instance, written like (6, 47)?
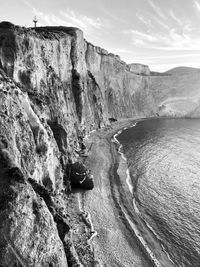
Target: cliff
(55, 88)
(176, 92)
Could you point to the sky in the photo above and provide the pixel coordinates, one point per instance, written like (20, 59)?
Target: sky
(160, 33)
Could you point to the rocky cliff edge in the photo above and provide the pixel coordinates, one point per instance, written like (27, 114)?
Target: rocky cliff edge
(55, 88)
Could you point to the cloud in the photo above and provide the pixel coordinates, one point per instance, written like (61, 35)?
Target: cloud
(138, 42)
(81, 21)
(70, 18)
(161, 23)
(165, 32)
(152, 21)
(121, 50)
(175, 39)
(144, 20)
(93, 28)
(178, 21)
(112, 16)
(197, 5)
(156, 9)
(158, 18)
(143, 36)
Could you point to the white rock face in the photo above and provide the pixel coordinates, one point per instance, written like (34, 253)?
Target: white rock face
(31, 236)
(125, 92)
(54, 89)
(139, 69)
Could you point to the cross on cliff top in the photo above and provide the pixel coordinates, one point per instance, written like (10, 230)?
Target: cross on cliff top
(35, 22)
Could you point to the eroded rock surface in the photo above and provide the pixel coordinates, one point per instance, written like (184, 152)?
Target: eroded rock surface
(55, 87)
(29, 236)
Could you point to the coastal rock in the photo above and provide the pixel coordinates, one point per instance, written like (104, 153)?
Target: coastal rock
(54, 88)
(29, 236)
(139, 69)
(80, 176)
(67, 87)
(124, 88)
(26, 141)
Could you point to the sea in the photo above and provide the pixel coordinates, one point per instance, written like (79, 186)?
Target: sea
(163, 157)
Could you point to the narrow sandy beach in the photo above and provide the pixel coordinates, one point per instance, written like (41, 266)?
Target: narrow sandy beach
(111, 207)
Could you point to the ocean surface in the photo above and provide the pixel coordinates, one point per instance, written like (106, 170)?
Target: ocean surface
(164, 162)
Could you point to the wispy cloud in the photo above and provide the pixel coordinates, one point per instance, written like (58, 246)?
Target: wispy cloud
(143, 36)
(165, 20)
(167, 31)
(197, 5)
(70, 18)
(175, 18)
(81, 21)
(147, 22)
(92, 27)
(174, 40)
(138, 42)
(152, 21)
(163, 24)
(156, 9)
(112, 16)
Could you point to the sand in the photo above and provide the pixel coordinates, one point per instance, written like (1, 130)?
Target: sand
(118, 230)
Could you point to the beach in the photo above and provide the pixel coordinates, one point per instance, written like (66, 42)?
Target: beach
(120, 237)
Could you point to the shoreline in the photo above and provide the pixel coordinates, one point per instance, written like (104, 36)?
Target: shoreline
(120, 231)
(136, 213)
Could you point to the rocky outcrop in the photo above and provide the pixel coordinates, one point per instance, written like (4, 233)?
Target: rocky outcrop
(139, 69)
(80, 176)
(62, 87)
(29, 236)
(55, 87)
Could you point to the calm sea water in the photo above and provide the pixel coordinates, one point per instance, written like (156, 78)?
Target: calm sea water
(164, 161)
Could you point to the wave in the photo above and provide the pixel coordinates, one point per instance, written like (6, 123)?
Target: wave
(137, 211)
(115, 140)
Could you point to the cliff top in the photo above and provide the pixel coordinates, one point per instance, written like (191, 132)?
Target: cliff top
(47, 32)
(58, 32)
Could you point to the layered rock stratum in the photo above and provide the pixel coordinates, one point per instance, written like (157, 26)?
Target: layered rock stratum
(55, 88)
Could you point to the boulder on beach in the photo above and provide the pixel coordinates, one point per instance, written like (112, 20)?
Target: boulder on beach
(80, 176)
(112, 119)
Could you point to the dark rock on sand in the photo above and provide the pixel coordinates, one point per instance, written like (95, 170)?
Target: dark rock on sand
(80, 176)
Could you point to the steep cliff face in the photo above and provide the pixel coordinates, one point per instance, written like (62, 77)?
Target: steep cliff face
(124, 88)
(59, 62)
(54, 88)
(29, 236)
(67, 88)
(27, 151)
